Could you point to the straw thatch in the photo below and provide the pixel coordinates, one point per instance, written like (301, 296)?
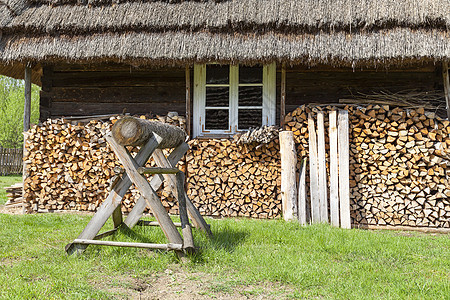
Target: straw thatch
(337, 32)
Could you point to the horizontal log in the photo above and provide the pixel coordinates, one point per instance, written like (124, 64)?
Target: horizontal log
(143, 170)
(177, 247)
(131, 131)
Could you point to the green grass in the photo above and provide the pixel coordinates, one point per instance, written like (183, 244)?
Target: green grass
(313, 262)
(6, 181)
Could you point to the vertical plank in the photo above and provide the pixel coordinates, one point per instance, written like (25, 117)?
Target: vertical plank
(344, 185)
(188, 100)
(302, 193)
(288, 177)
(321, 161)
(446, 82)
(334, 182)
(117, 216)
(313, 171)
(283, 96)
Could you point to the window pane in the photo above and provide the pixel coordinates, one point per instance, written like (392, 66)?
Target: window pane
(216, 74)
(249, 118)
(217, 96)
(250, 95)
(250, 74)
(217, 119)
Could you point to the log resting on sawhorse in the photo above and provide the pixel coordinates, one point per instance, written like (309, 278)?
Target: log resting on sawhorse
(112, 205)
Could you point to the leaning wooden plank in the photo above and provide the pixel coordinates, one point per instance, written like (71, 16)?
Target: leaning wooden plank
(105, 234)
(155, 183)
(313, 171)
(113, 200)
(170, 246)
(302, 193)
(130, 131)
(117, 216)
(146, 191)
(188, 240)
(334, 185)
(344, 184)
(288, 176)
(195, 215)
(321, 161)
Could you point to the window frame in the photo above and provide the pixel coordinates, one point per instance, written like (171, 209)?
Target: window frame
(199, 111)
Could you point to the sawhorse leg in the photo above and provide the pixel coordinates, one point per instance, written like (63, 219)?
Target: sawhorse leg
(113, 201)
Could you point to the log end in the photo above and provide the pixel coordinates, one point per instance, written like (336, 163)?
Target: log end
(127, 131)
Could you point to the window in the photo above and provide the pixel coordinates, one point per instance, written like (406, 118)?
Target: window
(232, 98)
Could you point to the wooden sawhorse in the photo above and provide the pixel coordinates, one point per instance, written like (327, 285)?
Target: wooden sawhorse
(134, 170)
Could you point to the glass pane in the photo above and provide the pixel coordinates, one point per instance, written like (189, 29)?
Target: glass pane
(249, 118)
(250, 74)
(217, 119)
(217, 96)
(250, 95)
(216, 74)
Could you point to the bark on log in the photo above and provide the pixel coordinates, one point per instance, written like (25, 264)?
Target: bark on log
(130, 131)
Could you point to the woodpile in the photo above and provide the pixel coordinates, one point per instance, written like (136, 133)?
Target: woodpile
(70, 167)
(227, 179)
(14, 195)
(399, 164)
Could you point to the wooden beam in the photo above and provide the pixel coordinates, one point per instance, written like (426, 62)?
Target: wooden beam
(27, 103)
(152, 171)
(334, 183)
(313, 171)
(321, 162)
(344, 169)
(446, 86)
(26, 126)
(170, 246)
(301, 206)
(288, 176)
(283, 95)
(188, 100)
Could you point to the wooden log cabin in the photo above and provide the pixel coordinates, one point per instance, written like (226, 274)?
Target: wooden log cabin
(226, 65)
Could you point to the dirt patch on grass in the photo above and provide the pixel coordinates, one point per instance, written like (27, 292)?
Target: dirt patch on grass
(177, 283)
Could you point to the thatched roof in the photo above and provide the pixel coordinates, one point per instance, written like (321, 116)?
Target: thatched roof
(338, 32)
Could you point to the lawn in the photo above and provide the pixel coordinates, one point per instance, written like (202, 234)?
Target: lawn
(246, 258)
(6, 181)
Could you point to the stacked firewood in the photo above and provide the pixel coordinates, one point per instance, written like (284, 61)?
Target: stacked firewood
(14, 195)
(70, 167)
(399, 164)
(229, 179)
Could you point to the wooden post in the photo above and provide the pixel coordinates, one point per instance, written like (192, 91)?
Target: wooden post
(283, 95)
(334, 185)
(302, 193)
(313, 171)
(27, 103)
(188, 100)
(26, 127)
(321, 161)
(446, 86)
(288, 178)
(344, 186)
(188, 240)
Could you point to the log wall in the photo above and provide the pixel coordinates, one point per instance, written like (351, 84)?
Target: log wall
(71, 90)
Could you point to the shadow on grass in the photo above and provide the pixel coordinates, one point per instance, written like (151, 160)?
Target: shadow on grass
(224, 239)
